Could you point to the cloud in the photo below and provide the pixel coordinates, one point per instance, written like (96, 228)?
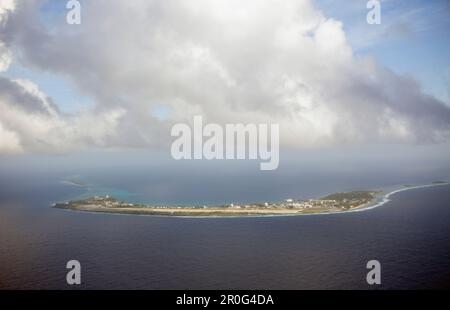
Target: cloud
(30, 122)
(230, 61)
(5, 58)
(9, 142)
(6, 7)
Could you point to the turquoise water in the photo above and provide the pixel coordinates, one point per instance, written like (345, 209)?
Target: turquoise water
(409, 235)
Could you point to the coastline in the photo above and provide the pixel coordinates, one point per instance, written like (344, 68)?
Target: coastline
(385, 198)
(380, 198)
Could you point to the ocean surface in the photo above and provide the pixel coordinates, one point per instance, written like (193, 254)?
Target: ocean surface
(409, 235)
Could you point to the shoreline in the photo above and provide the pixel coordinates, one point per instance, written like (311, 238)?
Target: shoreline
(380, 198)
(385, 198)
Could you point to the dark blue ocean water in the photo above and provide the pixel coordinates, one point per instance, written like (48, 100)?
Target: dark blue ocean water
(410, 236)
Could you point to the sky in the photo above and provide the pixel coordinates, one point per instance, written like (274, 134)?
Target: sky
(413, 38)
(130, 70)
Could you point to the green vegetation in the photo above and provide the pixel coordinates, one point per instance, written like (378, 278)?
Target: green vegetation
(332, 203)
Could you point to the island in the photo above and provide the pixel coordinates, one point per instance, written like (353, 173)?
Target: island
(339, 202)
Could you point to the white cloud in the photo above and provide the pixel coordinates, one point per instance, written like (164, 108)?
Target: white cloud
(5, 57)
(6, 7)
(31, 123)
(231, 61)
(9, 142)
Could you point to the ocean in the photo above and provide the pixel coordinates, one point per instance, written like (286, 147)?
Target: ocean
(409, 236)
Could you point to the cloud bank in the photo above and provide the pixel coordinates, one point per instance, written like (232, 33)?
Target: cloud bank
(230, 61)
